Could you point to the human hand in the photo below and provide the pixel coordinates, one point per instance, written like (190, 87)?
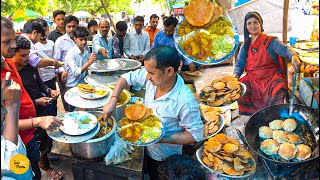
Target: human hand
(236, 76)
(49, 123)
(296, 63)
(57, 64)
(104, 53)
(64, 76)
(132, 56)
(192, 67)
(108, 109)
(54, 93)
(141, 58)
(43, 101)
(92, 58)
(11, 91)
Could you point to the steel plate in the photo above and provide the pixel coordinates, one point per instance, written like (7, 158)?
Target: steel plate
(210, 60)
(109, 65)
(98, 80)
(59, 136)
(72, 97)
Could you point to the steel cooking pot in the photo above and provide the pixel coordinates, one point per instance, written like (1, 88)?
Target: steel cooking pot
(309, 116)
(94, 149)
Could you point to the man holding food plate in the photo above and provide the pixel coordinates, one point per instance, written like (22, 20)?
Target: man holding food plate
(169, 98)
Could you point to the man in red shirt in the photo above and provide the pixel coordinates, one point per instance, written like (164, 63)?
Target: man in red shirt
(27, 116)
(152, 30)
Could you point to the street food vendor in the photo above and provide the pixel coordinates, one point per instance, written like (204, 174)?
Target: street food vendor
(260, 57)
(170, 98)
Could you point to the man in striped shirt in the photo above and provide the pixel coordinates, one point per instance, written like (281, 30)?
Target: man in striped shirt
(169, 98)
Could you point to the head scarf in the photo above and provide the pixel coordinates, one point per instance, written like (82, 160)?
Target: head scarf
(249, 15)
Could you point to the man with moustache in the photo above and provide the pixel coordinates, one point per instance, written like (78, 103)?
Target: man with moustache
(58, 19)
(102, 42)
(27, 113)
(61, 47)
(167, 94)
(137, 42)
(152, 30)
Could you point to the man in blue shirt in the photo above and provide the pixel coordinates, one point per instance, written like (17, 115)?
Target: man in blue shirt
(165, 37)
(102, 42)
(170, 98)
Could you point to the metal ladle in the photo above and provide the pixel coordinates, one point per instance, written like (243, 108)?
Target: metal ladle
(292, 93)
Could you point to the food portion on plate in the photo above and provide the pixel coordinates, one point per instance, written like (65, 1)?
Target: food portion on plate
(87, 91)
(312, 46)
(283, 140)
(205, 36)
(77, 122)
(222, 91)
(140, 126)
(202, 12)
(211, 120)
(226, 156)
(194, 74)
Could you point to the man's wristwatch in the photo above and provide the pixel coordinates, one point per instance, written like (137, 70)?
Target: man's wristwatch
(48, 91)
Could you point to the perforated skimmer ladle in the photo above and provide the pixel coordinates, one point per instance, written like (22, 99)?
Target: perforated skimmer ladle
(292, 92)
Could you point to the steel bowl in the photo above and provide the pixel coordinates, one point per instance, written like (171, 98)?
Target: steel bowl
(95, 149)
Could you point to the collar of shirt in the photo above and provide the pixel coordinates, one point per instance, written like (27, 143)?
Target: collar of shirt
(77, 49)
(100, 35)
(174, 92)
(57, 31)
(66, 37)
(32, 44)
(136, 33)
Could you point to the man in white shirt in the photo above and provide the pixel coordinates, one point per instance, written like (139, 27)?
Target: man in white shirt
(45, 49)
(61, 47)
(137, 42)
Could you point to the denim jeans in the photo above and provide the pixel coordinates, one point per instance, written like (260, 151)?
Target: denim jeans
(33, 155)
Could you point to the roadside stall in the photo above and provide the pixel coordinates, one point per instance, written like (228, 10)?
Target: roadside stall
(231, 148)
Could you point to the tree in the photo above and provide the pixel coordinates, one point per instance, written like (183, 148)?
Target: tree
(10, 6)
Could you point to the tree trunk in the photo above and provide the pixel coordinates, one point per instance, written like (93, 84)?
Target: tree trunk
(111, 21)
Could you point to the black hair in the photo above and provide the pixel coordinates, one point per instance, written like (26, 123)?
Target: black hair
(121, 26)
(139, 18)
(247, 40)
(69, 19)
(6, 23)
(42, 22)
(170, 21)
(32, 25)
(154, 16)
(181, 167)
(57, 12)
(91, 23)
(165, 56)
(80, 32)
(22, 43)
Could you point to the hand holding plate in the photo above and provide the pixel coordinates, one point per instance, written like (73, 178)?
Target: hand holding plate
(49, 123)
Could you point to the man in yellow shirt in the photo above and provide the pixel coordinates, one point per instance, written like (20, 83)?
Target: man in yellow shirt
(152, 29)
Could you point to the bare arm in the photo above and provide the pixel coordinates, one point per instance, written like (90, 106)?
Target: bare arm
(111, 105)
(181, 138)
(11, 94)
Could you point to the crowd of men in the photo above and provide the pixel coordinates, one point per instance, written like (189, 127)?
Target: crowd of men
(37, 59)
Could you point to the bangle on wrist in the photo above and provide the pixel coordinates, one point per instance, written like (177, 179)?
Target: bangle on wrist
(114, 97)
